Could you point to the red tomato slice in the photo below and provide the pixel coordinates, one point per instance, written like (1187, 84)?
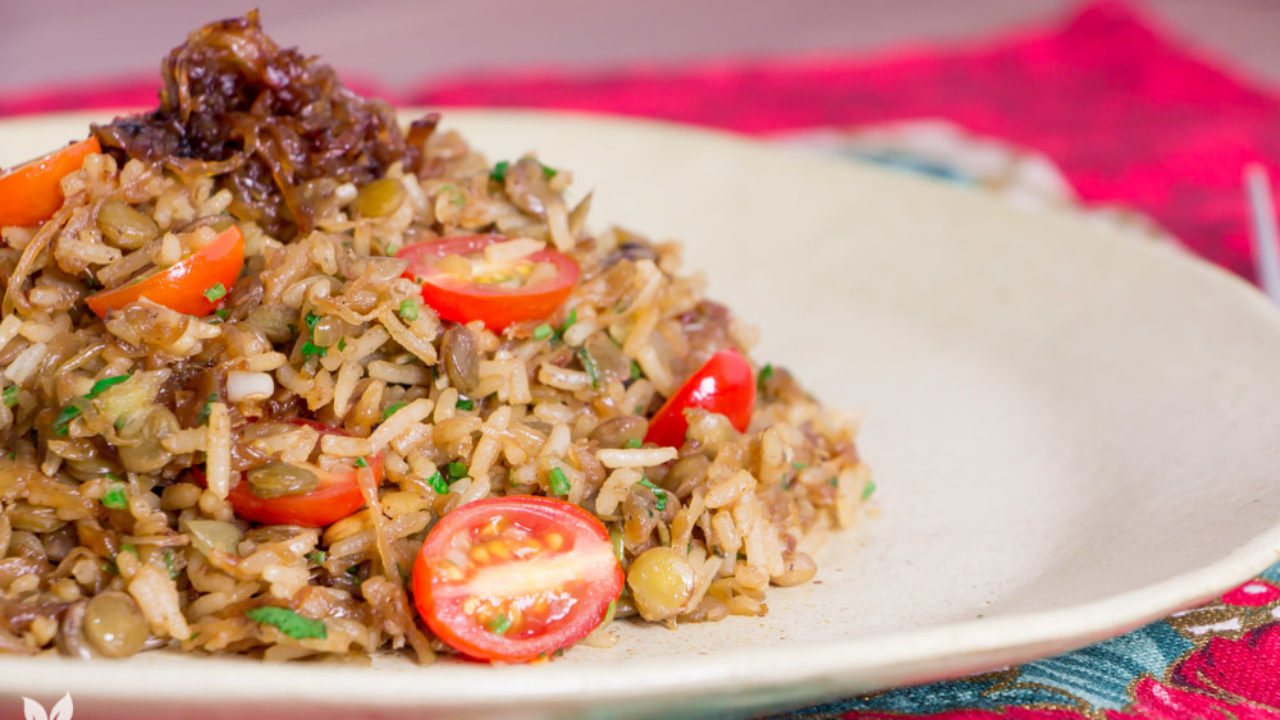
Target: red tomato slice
(515, 578)
(337, 496)
(725, 385)
(498, 305)
(32, 193)
(183, 285)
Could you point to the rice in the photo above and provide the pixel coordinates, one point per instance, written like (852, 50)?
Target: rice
(134, 441)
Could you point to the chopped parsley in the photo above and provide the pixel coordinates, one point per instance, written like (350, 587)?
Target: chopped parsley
(465, 404)
(635, 370)
(361, 463)
(11, 396)
(868, 489)
(215, 293)
(765, 373)
(168, 564)
(456, 470)
(659, 494)
(391, 410)
(203, 416)
(106, 382)
(438, 483)
(568, 322)
(499, 625)
(310, 349)
(318, 556)
(60, 423)
(408, 310)
(559, 483)
(589, 364)
(542, 332)
(632, 443)
(342, 344)
(499, 171)
(114, 498)
(288, 622)
(311, 320)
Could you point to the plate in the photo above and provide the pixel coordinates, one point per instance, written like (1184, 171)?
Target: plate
(1073, 430)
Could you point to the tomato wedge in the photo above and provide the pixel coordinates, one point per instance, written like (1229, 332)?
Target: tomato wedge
(515, 578)
(187, 285)
(337, 496)
(496, 295)
(725, 385)
(32, 193)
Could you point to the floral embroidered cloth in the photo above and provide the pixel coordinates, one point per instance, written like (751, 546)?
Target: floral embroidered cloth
(1103, 111)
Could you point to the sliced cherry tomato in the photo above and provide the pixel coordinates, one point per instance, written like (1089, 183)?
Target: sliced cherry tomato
(515, 578)
(32, 193)
(725, 385)
(494, 293)
(337, 496)
(187, 285)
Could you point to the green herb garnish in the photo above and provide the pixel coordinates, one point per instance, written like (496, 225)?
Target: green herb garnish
(559, 483)
(288, 622)
(765, 373)
(318, 556)
(168, 564)
(548, 172)
(129, 548)
(635, 370)
(391, 410)
(309, 349)
(499, 171)
(215, 293)
(632, 443)
(833, 481)
(456, 470)
(568, 322)
(798, 466)
(589, 364)
(311, 320)
(408, 310)
(361, 463)
(437, 483)
(542, 332)
(499, 625)
(659, 494)
(114, 498)
(222, 313)
(615, 539)
(342, 344)
(869, 488)
(105, 383)
(60, 423)
(203, 416)
(11, 396)
(465, 404)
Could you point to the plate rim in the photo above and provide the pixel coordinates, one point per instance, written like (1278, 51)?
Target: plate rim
(836, 663)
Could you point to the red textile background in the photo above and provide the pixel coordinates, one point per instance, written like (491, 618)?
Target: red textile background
(1130, 116)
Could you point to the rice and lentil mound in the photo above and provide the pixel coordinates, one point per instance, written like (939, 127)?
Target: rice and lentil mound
(124, 436)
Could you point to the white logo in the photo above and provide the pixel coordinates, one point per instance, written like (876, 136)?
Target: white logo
(33, 710)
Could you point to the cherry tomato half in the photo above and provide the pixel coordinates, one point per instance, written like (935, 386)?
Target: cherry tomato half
(337, 496)
(513, 578)
(187, 285)
(725, 385)
(32, 193)
(497, 294)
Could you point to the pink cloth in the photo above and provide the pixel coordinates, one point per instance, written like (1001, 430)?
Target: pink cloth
(1130, 116)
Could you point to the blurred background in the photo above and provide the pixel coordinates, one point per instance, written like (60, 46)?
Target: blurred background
(398, 43)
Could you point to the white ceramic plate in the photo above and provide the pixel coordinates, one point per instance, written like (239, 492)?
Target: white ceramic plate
(1074, 432)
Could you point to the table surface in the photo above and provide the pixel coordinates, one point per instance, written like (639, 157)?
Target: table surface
(448, 38)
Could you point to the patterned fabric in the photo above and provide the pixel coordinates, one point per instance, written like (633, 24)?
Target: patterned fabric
(1104, 111)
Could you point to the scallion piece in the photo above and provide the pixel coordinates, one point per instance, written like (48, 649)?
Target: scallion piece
(559, 483)
(216, 293)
